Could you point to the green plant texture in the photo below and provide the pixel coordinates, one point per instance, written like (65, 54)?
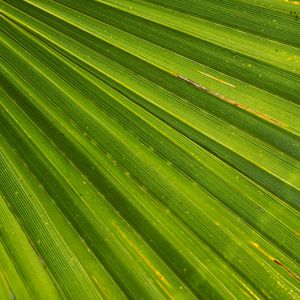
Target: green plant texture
(149, 149)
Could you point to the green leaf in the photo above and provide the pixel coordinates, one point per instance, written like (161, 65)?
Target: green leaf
(149, 149)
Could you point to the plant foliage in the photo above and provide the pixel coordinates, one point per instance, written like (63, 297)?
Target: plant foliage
(149, 149)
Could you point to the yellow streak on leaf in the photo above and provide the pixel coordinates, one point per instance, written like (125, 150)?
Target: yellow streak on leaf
(2, 275)
(262, 251)
(156, 272)
(276, 261)
(217, 79)
(97, 284)
(233, 102)
(293, 2)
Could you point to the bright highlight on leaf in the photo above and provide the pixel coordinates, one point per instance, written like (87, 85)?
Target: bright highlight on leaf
(149, 149)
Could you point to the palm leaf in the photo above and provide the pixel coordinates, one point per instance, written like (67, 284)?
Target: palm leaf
(149, 149)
